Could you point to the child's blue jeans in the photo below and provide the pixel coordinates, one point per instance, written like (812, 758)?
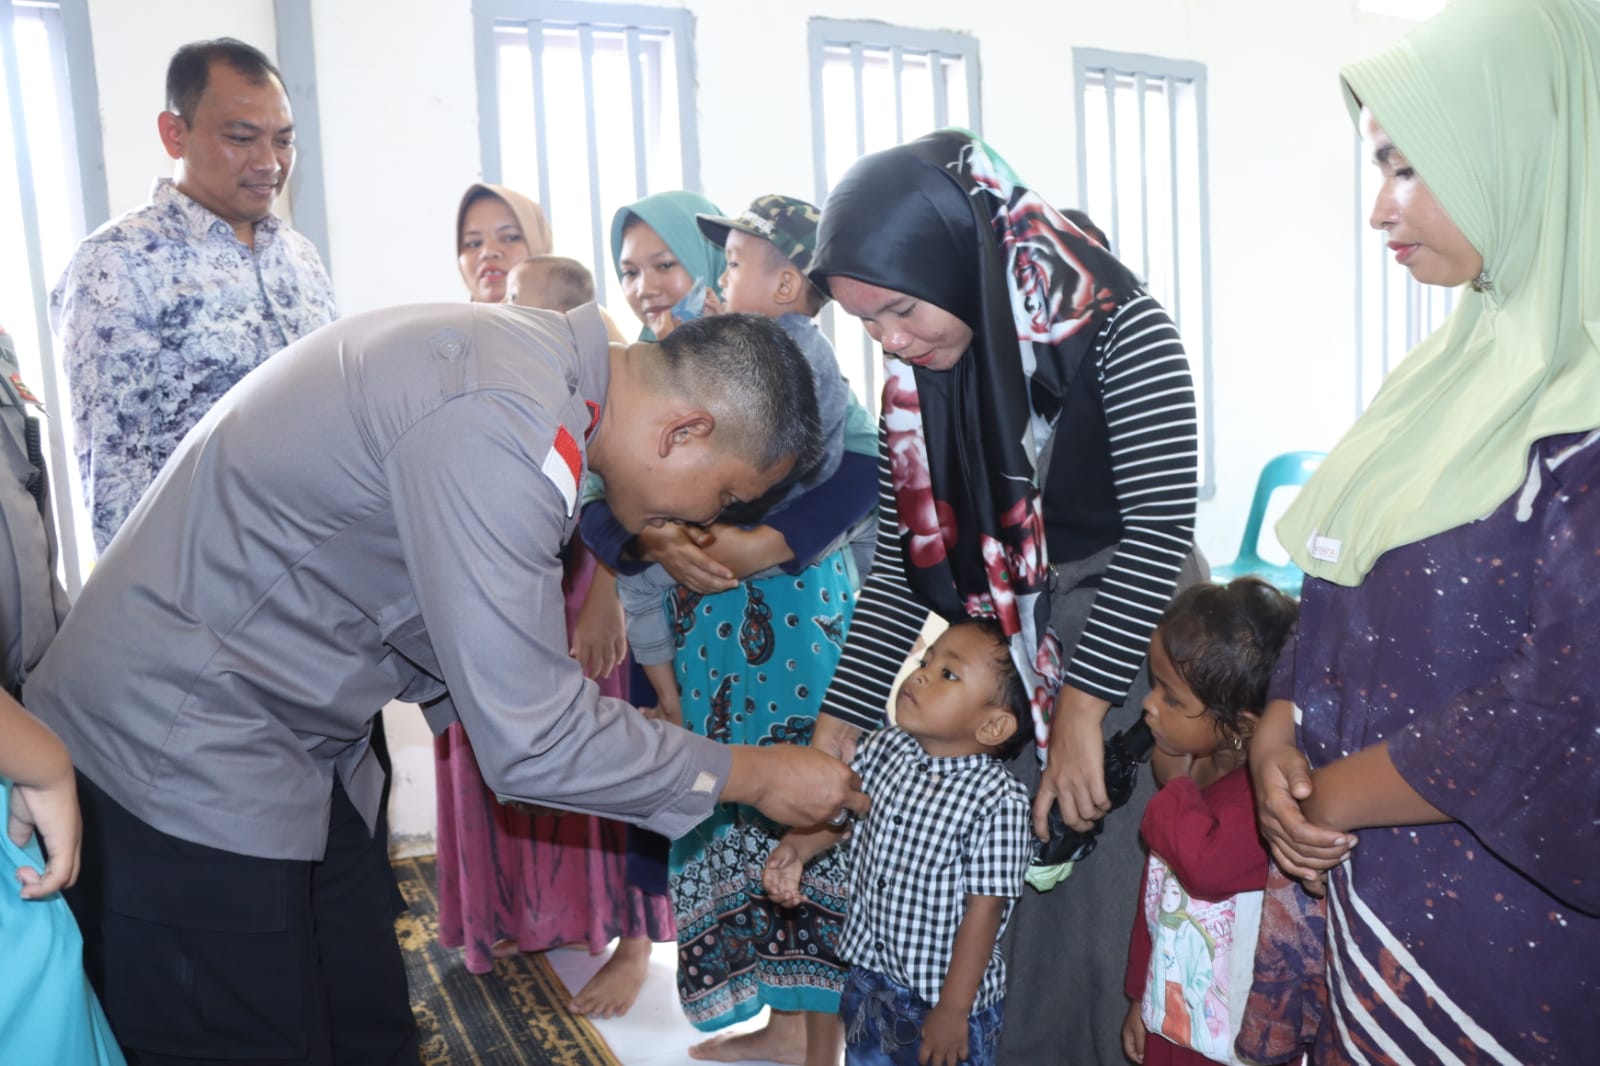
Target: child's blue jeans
(883, 1023)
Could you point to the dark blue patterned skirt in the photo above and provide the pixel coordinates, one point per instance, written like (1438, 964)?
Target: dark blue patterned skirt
(753, 664)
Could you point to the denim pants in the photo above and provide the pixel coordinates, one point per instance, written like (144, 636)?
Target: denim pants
(883, 1023)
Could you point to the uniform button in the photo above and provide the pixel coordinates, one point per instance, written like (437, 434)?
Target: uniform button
(898, 819)
(883, 882)
(879, 945)
(448, 344)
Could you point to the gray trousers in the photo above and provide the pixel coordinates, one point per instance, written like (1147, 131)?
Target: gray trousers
(1066, 950)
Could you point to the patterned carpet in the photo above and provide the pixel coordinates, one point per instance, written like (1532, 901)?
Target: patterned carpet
(511, 1017)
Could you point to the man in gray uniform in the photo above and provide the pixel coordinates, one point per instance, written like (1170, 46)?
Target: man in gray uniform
(378, 511)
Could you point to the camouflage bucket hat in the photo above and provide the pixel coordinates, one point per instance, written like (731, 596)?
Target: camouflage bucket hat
(789, 223)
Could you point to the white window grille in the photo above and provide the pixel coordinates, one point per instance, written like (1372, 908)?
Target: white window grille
(587, 107)
(874, 86)
(51, 192)
(1416, 10)
(1143, 179)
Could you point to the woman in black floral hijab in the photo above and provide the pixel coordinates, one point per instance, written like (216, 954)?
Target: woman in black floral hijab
(1039, 459)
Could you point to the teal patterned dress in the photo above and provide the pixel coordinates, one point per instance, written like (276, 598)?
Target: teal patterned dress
(752, 665)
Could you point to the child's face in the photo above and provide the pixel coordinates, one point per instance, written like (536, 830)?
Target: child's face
(653, 279)
(1180, 722)
(751, 281)
(948, 698)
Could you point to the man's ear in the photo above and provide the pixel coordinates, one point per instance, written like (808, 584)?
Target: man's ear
(684, 428)
(997, 727)
(173, 130)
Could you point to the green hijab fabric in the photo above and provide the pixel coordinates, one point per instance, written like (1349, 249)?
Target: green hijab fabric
(671, 215)
(1496, 103)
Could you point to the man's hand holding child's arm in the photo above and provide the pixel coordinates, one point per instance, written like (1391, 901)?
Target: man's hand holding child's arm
(944, 1033)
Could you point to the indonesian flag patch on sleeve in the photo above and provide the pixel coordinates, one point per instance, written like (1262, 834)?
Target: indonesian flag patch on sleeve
(563, 466)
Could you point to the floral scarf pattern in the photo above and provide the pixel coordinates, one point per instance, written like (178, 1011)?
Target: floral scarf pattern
(964, 444)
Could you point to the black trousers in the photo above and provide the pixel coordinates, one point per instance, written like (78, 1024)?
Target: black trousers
(202, 955)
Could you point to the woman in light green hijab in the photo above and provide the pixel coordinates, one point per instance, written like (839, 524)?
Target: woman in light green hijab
(660, 256)
(1446, 681)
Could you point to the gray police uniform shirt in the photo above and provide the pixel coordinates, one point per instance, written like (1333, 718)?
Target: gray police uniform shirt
(376, 512)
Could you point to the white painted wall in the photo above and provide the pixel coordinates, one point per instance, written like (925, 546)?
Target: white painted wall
(132, 43)
(400, 142)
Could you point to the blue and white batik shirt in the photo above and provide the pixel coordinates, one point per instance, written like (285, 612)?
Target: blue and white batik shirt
(159, 313)
(940, 829)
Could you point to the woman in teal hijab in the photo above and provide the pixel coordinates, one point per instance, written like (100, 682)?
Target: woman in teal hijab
(755, 650)
(660, 256)
(1446, 679)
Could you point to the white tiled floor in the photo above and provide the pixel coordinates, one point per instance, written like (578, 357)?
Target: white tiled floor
(654, 1032)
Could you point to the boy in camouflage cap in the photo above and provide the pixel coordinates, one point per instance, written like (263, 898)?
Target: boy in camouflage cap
(769, 248)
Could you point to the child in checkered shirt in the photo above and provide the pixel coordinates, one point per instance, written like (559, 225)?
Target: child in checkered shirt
(938, 862)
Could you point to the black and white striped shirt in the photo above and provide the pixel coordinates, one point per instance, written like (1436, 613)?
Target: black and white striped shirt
(940, 829)
(1147, 393)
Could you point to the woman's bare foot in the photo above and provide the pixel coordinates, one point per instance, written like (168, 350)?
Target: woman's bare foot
(504, 949)
(783, 1039)
(612, 990)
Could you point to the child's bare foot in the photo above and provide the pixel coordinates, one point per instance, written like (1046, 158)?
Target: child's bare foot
(783, 1039)
(612, 990)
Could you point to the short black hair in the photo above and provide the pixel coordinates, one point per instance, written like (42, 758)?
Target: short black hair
(190, 70)
(752, 378)
(1011, 692)
(1224, 642)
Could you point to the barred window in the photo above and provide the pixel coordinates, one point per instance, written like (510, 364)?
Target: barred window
(629, 133)
(1143, 178)
(51, 193)
(874, 86)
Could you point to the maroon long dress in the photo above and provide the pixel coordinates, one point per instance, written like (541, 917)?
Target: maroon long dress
(541, 880)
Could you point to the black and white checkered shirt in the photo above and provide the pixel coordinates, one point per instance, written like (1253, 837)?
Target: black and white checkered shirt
(940, 830)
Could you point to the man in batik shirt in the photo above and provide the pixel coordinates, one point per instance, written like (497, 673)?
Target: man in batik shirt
(163, 310)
